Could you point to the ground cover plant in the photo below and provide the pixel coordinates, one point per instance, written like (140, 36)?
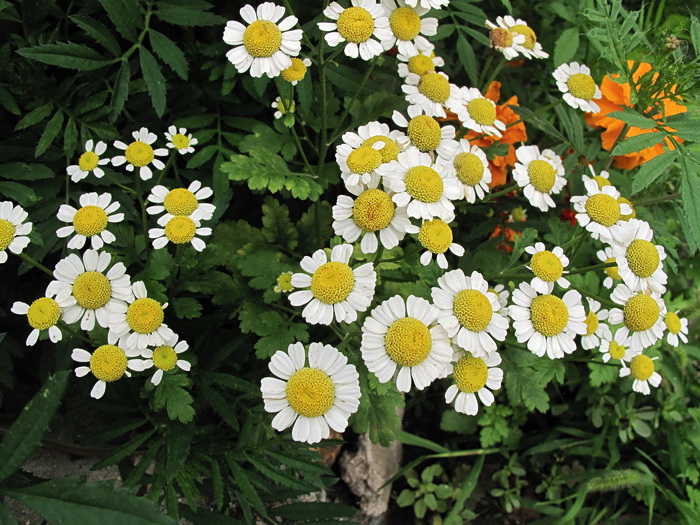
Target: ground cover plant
(233, 236)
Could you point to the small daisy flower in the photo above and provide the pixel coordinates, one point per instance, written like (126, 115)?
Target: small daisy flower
(611, 349)
(548, 267)
(599, 210)
(90, 221)
(642, 371)
(541, 174)
(611, 273)
(180, 140)
(546, 322)
(503, 294)
(283, 107)
(426, 134)
(336, 291)
(139, 153)
(284, 283)
(596, 331)
(403, 339)
(469, 312)
(179, 230)
(639, 260)
(357, 25)
(472, 169)
(643, 317)
(89, 161)
(677, 328)
(474, 376)
(427, 4)
(372, 213)
(478, 113)
(264, 46)
(183, 202)
(602, 178)
(503, 39)
(418, 63)
(140, 323)
(13, 229)
(530, 48)
(97, 294)
(578, 86)
(407, 27)
(43, 314)
(431, 93)
(314, 397)
(107, 363)
(427, 189)
(297, 71)
(165, 358)
(436, 237)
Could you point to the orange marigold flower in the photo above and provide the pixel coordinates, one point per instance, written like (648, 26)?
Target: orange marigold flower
(615, 96)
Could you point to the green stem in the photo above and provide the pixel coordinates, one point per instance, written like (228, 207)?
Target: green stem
(508, 189)
(345, 112)
(601, 300)
(665, 198)
(495, 73)
(35, 263)
(73, 333)
(167, 166)
(487, 65)
(585, 269)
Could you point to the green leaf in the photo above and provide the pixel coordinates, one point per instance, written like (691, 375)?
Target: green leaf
(124, 450)
(521, 242)
(172, 395)
(70, 138)
(69, 56)
(277, 227)
(377, 413)
(602, 374)
(411, 439)
(178, 442)
(24, 435)
(566, 46)
(99, 32)
(314, 511)
(695, 34)
(520, 375)
(155, 82)
(652, 170)
(631, 117)
(18, 192)
(638, 143)
(187, 308)
(467, 59)
(118, 13)
(169, 53)
(241, 479)
(184, 16)
(121, 90)
(50, 133)
(690, 191)
(34, 116)
(24, 171)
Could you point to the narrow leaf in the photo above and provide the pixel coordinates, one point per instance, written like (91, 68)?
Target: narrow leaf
(121, 90)
(99, 32)
(50, 132)
(123, 451)
(633, 118)
(566, 46)
(690, 190)
(69, 56)
(467, 58)
(185, 16)
(169, 53)
(652, 170)
(154, 80)
(638, 143)
(34, 116)
(118, 14)
(241, 479)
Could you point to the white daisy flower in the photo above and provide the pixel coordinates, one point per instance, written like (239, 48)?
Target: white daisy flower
(503, 39)
(643, 317)
(639, 260)
(408, 28)
(179, 230)
(336, 291)
(180, 140)
(611, 274)
(13, 229)
(139, 154)
(548, 267)
(283, 107)
(426, 134)
(611, 349)
(599, 210)
(264, 46)
(107, 363)
(436, 237)
(427, 189)
(182, 202)
(546, 322)
(314, 397)
(677, 328)
(403, 339)
(89, 161)
(478, 113)
(427, 4)
(357, 25)
(97, 294)
(541, 174)
(474, 376)
(90, 221)
(419, 63)
(140, 323)
(602, 178)
(596, 331)
(578, 86)
(472, 169)
(297, 71)
(642, 371)
(431, 93)
(469, 312)
(165, 358)
(530, 48)
(503, 293)
(44, 314)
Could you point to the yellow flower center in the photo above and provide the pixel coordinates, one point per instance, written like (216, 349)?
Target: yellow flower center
(473, 310)
(435, 87)
(482, 110)
(284, 281)
(617, 351)
(542, 175)
(424, 184)
(500, 37)
(43, 313)
(470, 168)
(164, 357)
(546, 266)
(641, 312)
(408, 341)
(363, 160)
(88, 161)
(355, 24)
(530, 36)
(518, 214)
(405, 23)
(612, 271)
(7, 234)
(390, 151)
(144, 316)
(180, 230)
(180, 141)
(139, 153)
(673, 322)
(641, 367)
(435, 236)
(581, 86)
(295, 72)
(373, 210)
(602, 182)
(90, 220)
(180, 202)
(108, 363)
(332, 282)
(424, 132)
(603, 209)
(642, 257)
(592, 323)
(262, 39)
(470, 374)
(629, 216)
(420, 65)
(310, 392)
(549, 315)
(92, 290)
